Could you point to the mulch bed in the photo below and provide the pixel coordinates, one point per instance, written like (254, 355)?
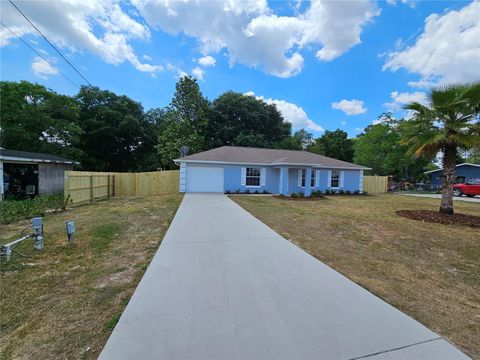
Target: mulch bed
(305, 198)
(439, 218)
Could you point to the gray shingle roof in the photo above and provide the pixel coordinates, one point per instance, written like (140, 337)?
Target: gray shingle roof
(248, 155)
(33, 157)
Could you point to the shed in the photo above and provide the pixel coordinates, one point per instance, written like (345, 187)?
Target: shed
(465, 172)
(24, 173)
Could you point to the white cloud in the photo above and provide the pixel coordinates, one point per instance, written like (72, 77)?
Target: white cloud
(179, 72)
(43, 69)
(400, 99)
(198, 73)
(410, 3)
(207, 61)
(292, 113)
(253, 35)
(147, 57)
(448, 50)
(350, 107)
(101, 27)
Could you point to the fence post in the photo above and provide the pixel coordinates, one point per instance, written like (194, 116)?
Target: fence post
(108, 186)
(113, 185)
(91, 188)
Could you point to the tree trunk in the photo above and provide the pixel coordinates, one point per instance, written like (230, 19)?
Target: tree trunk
(449, 159)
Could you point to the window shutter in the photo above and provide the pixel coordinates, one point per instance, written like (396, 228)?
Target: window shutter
(342, 176)
(317, 178)
(329, 181)
(263, 172)
(299, 182)
(244, 176)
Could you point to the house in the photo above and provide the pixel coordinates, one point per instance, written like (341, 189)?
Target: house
(232, 168)
(24, 173)
(465, 173)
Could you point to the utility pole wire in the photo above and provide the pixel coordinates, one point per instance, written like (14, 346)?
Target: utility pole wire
(38, 53)
(53, 46)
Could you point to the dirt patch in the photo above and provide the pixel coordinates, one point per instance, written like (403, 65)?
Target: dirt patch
(439, 218)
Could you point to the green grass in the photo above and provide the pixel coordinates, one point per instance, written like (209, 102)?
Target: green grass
(103, 235)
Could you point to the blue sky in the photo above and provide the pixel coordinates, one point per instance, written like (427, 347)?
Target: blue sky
(326, 65)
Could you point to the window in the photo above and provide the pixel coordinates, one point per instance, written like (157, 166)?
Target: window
(335, 181)
(253, 177)
(312, 178)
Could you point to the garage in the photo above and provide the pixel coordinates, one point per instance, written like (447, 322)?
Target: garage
(204, 179)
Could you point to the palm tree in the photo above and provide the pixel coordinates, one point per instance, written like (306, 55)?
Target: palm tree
(449, 122)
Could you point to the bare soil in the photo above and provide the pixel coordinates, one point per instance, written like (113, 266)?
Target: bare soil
(440, 218)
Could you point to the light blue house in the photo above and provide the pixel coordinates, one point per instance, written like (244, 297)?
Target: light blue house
(232, 168)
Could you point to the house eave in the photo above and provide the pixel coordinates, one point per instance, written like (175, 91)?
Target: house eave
(320, 166)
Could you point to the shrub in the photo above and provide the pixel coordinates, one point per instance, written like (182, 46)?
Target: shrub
(294, 195)
(257, 192)
(327, 192)
(13, 210)
(364, 193)
(247, 191)
(316, 193)
(341, 192)
(301, 194)
(237, 191)
(348, 192)
(265, 191)
(356, 192)
(227, 191)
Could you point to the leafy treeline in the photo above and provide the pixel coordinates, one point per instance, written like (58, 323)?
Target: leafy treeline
(108, 132)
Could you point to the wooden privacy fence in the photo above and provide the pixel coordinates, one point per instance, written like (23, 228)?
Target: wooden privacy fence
(84, 186)
(375, 184)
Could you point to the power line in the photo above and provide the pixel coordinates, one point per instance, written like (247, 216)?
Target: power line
(38, 53)
(53, 46)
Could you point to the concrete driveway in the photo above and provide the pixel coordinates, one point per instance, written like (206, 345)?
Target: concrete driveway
(439, 196)
(223, 285)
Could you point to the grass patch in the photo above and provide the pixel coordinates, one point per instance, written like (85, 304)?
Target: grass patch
(67, 298)
(103, 235)
(429, 271)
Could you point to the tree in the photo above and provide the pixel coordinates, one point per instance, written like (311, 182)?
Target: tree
(37, 119)
(379, 148)
(184, 122)
(473, 156)
(334, 144)
(300, 140)
(448, 123)
(246, 121)
(116, 136)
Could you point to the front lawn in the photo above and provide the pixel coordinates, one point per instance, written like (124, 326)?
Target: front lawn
(64, 301)
(429, 271)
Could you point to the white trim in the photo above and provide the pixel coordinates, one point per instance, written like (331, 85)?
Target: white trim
(317, 178)
(272, 164)
(299, 178)
(263, 174)
(7, 159)
(360, 184)
(342, 179)
(243, 181)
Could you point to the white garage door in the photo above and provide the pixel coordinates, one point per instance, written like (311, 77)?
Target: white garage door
(204, 179)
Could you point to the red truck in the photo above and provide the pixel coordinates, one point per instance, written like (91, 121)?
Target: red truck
(470, 188)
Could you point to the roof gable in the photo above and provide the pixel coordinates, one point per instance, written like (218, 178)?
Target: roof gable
(458, 165)
(260, 156)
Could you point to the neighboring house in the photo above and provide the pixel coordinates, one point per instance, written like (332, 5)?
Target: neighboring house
(232, 168)
(25, 173)
(465, 172)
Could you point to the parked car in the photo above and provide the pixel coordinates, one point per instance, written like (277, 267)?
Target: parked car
(470, 188)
